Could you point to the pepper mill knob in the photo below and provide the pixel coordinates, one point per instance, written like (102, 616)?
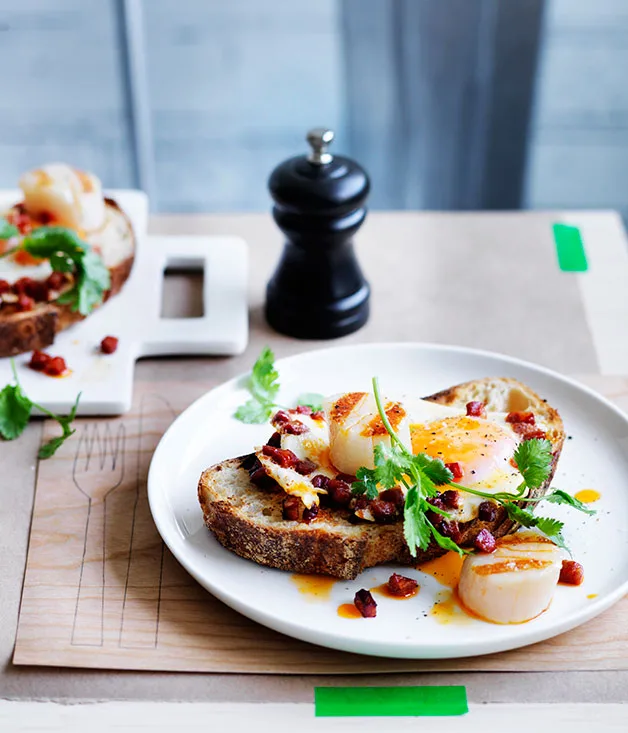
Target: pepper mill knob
(318, 290)
(319, 138)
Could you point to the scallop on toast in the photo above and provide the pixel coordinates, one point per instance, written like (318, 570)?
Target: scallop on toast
(296, 504)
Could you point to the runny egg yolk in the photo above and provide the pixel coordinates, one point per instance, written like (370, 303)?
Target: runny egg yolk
(482, 448)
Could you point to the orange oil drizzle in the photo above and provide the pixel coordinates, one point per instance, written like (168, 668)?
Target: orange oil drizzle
(348, 610)
(446, 569)
(587, 496)
(316, 587)
(447, 609)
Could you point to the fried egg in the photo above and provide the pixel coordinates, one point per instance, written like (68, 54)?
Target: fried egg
(482, 448)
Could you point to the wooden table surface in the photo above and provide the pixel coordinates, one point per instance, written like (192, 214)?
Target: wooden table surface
(399, 253)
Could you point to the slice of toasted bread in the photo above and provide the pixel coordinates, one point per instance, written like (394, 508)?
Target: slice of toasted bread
(36, 329)
(248, 520)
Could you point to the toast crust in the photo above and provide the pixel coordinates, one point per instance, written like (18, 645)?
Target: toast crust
(36, 329)
(248, 520)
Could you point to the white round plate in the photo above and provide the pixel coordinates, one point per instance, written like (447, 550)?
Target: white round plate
(595, 456)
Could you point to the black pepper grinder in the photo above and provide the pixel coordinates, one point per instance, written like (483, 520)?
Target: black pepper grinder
(318, 290)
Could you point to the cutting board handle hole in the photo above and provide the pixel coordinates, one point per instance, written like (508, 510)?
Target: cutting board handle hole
(182, 291)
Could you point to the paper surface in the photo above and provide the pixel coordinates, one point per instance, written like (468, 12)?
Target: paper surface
(121, 601)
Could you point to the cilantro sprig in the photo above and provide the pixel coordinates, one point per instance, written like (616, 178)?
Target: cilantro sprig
(263, 384)
(421, 475)
(15, 412)
(68, 253)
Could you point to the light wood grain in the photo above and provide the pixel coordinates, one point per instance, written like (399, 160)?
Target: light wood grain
(111, 595)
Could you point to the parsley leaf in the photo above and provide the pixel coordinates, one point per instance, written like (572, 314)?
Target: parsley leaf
(15, 412)
(562, 497)
(66, 252)
(366, 483)
(7, 230)
(312, 400)
(534, 461)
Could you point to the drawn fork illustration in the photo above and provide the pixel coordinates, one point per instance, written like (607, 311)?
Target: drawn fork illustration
(97, 471)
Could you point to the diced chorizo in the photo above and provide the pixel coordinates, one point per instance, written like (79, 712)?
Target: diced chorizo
(487, 511)
(571, 573)
(485, 542)
(456, 470)
(395, 496)
(339, 492)
(55, 367)
(401, 586)
(291, 508)
(365, 603)
(521, 417)
(309, 515)
(451, 499)
(109, 345)
(304, 467)
(38, 361)
(475, 408)
(281, 456)
(384, 512)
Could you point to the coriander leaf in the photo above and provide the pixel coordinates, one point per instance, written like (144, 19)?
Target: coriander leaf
(523, 516)
(391, 464)
(416, 528)
(66, 252)
(312, 400)
(366, 483)
(562, 497)
(534, 461)
(263, 385)
(552, 528)
(15, 411)
(263, 382)
(433, 468)
(50, 448)
(7, 230)
(549, 526)
(253, 412)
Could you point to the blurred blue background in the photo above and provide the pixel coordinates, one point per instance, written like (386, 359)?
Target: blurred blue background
(447, 103)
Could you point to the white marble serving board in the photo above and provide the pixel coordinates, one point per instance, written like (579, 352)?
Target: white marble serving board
(133, 316)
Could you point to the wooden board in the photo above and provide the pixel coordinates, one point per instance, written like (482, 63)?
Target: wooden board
(102, 591)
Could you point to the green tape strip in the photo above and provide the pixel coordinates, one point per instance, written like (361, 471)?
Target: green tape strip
(389, 701)
(570, 248)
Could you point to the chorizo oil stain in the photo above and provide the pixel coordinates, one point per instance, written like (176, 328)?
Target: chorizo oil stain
(314, 587)
(446, 569)
(588, 496)
(448, 610)
(348, 610)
